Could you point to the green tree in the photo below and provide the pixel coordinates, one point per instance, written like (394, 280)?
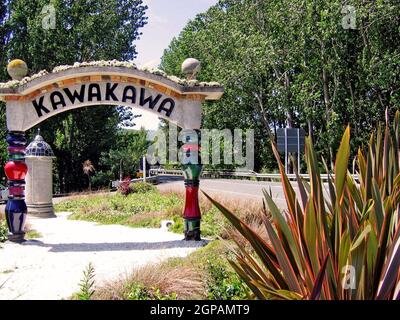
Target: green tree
(84, 30)
(293, 63)
(123, 158)
(4, 36)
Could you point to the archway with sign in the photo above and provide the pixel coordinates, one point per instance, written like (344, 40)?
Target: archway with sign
(32, 100)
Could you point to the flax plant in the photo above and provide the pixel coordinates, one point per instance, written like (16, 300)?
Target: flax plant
(338, 240)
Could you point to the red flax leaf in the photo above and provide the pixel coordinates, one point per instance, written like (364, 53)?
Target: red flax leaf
(283, 259)
(247, 280)
(242, 256)
(341, 165)
(316, 292)
(262, 249)
(391, 269)
(302, 190)
(382, 250)
(290, 195)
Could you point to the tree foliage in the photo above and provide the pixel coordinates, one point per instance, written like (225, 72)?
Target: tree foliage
(84, 30)
(123, 158)
(291, 62)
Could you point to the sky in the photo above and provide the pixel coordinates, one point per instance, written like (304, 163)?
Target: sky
(166, 20)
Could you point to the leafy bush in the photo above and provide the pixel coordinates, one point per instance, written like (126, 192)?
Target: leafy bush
(124, 187)
(223, 283)
(142, 187)
(340, 244)
(102, 179)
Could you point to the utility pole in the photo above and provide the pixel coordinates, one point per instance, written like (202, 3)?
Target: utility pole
(144, 168)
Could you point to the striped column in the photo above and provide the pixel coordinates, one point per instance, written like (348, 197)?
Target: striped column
(191, 172)
(16, 170)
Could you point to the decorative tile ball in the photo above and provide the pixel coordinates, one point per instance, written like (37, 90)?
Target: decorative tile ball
(15, 170)
(17, 69)
(39, 148)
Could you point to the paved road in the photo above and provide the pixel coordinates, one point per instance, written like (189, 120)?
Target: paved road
(230, 188)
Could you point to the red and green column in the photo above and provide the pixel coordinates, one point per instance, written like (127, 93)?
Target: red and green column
(16, 170)
(191, 171)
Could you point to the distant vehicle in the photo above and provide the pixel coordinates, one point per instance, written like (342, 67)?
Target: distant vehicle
(3, 194)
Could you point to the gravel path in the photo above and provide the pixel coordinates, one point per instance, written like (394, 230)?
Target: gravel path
(51, 267)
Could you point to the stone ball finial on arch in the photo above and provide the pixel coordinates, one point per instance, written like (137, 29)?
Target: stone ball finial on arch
(17, 69)
(191, 67)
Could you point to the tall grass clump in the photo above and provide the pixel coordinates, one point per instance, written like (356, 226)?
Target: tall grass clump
(336, 240)
(154, 282)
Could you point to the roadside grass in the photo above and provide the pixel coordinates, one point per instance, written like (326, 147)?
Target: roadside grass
(140, 210)
(204, 274)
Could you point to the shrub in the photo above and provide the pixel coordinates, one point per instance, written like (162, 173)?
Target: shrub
(222, 282)
(102, 179)
(125, 187)
(340, 244)
(142, 187)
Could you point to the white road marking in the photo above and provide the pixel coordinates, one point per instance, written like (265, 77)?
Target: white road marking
(240, 193)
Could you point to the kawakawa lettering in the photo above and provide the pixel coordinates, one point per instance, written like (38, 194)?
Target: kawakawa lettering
(94, 92)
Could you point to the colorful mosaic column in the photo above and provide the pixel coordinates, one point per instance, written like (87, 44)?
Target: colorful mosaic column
(191, 172)
(16, 170)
